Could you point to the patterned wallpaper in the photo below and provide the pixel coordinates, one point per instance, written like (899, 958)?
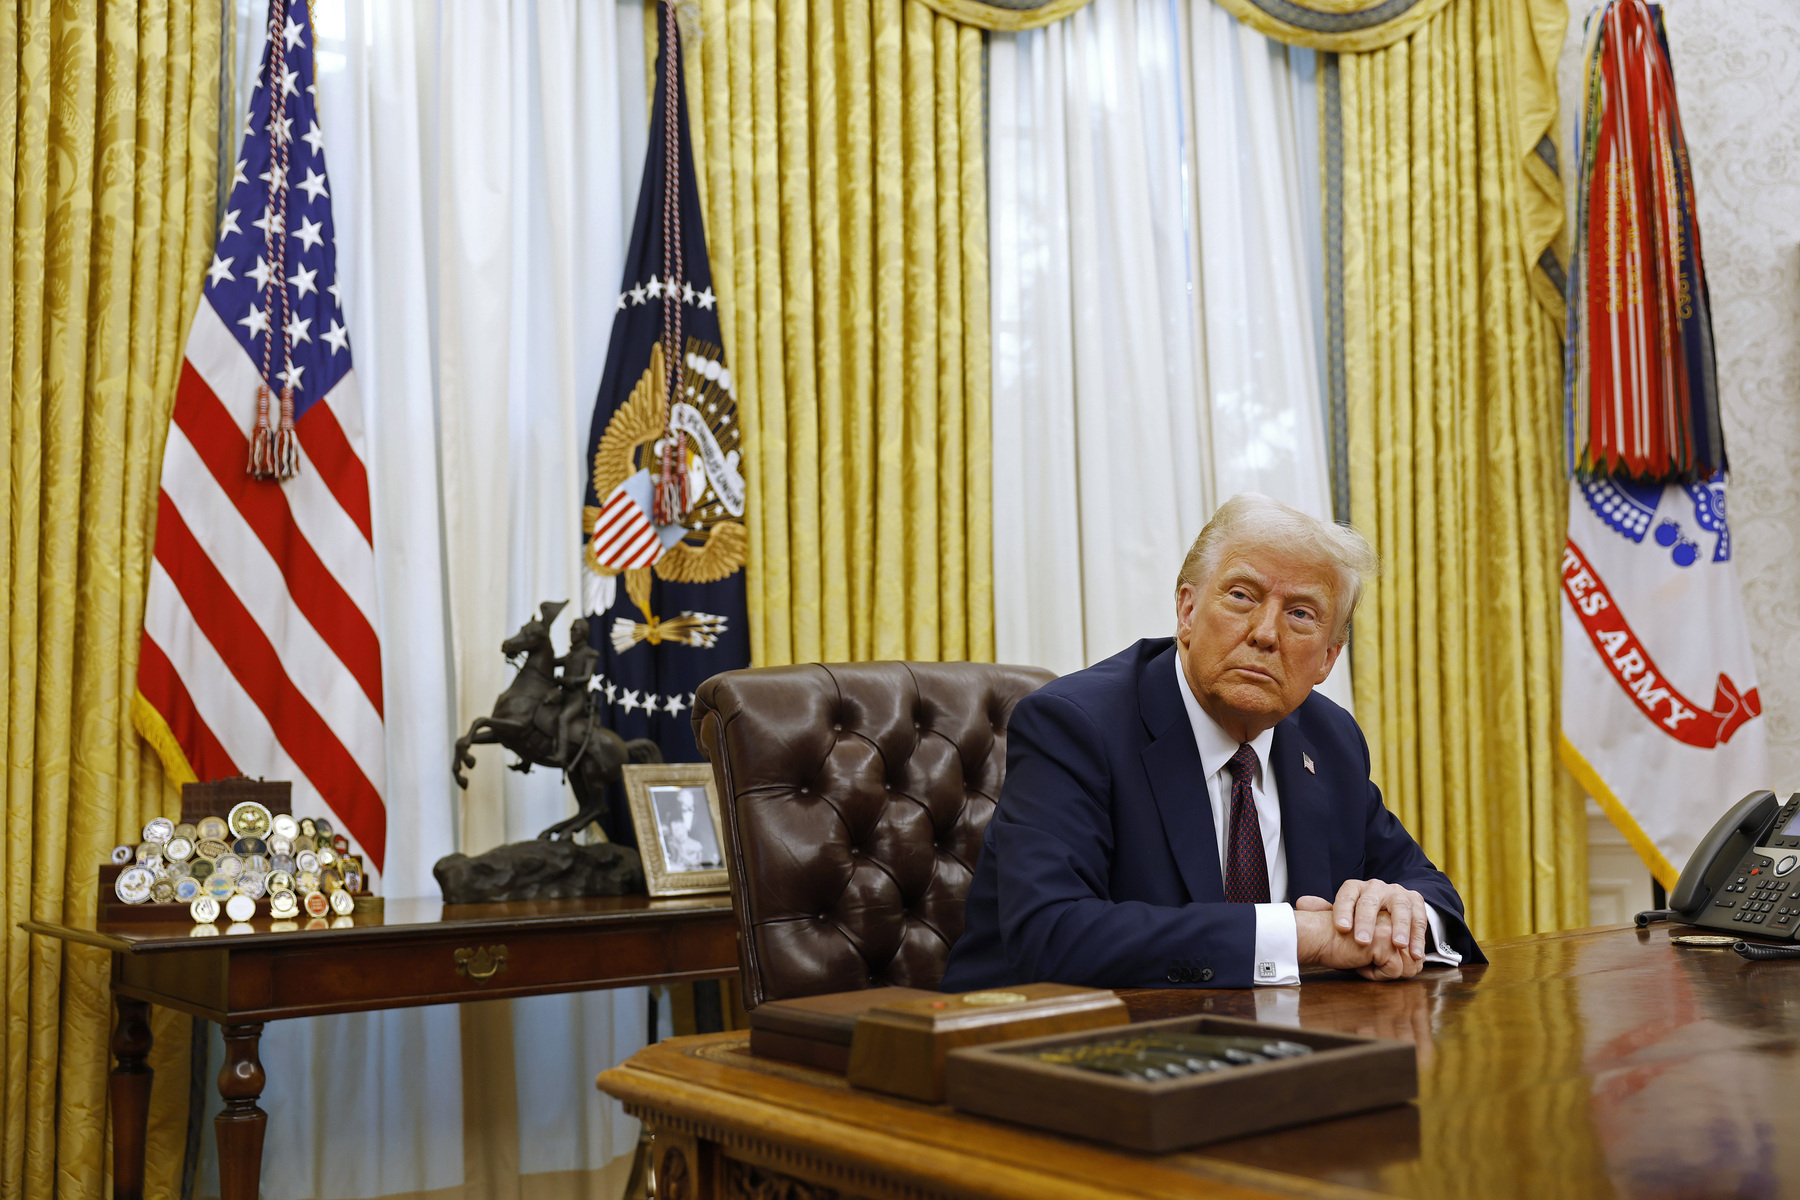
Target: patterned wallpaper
(1737, 73)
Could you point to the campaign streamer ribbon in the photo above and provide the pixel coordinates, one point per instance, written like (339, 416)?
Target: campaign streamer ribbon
(1636, 672)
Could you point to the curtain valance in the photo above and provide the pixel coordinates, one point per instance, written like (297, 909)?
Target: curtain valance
(1008, 16)
(1343, 25)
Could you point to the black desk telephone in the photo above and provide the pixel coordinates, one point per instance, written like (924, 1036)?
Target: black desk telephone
(1744, 877)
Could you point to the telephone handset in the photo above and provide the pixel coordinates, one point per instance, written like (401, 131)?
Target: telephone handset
(1744, 874)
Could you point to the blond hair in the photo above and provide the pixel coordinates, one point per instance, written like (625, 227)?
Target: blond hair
(1255, 519)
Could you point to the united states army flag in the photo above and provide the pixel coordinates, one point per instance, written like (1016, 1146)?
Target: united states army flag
(1661, 718)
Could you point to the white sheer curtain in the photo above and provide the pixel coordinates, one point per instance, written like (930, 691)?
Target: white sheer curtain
(483, 163)
(1151, 218)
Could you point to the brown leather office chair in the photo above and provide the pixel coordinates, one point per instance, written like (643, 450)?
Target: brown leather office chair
(855, 796)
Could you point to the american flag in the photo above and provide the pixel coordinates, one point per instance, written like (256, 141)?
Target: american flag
(260, 653)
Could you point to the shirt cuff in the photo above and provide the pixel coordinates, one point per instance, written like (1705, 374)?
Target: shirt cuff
(1277, 961)
(1437, 949)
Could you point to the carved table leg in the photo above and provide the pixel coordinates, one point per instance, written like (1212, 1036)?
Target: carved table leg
(240, 1126)
(130, 1089)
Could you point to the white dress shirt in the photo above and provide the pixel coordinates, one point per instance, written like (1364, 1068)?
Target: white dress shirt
(1277, 954)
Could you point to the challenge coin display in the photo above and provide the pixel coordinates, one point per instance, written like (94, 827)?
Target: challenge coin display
(316, 904)
(213, 829)
(342, 903)
(249, 819)
(133, 884)
(179, 849)
(160, 829)
(122, 855)
(283, 904)
(240, 907)
(204, 910)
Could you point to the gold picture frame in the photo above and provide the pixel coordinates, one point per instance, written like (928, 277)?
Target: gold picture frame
(681, 857)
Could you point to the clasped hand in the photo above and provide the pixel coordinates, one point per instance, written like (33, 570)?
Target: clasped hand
(1376, 929)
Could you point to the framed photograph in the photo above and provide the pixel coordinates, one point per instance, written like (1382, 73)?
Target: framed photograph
(675, 810)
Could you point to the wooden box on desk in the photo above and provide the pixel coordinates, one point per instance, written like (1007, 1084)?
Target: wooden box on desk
(1343, 1075)
(815, 1031)
(900, 1047)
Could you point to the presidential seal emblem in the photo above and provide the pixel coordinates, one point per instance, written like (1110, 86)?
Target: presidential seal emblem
(708, 542)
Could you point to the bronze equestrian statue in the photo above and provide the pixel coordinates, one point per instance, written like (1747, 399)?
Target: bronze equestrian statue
(545, 719)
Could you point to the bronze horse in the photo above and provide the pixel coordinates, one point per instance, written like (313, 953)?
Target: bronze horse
(524, 721)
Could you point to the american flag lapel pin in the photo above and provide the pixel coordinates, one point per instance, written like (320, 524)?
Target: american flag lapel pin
(1306, 761)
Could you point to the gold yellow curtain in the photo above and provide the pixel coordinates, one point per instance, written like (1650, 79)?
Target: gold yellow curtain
(843, 173)
(108, 114)
(1451, 382)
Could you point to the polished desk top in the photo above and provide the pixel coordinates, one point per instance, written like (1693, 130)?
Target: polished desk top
(1587, 1064)
(397, 919)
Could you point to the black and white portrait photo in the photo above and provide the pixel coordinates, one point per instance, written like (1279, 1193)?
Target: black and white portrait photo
(684, 826)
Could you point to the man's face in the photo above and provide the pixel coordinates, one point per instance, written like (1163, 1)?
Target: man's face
(1256, 638)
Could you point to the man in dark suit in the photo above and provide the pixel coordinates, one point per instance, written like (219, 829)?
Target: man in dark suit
(1179, 813)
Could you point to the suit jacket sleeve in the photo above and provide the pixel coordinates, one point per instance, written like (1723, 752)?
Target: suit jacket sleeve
(1052, 837)
(1391, 855)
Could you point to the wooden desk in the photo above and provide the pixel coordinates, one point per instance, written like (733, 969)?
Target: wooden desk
(414, 952)
(1598, 1063)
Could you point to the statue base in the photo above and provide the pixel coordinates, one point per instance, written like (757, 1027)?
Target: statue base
(540, 870)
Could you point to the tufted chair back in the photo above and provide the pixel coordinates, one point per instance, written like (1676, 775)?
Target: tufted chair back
(855, 796)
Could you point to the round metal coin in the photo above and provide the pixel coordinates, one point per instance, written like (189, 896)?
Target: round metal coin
(187, 831)
(308, 827)
(228, 865)
(251, 884)
(220, 887)
(323, 828)
(133, 885)
(316, 904)
(200, 868)
(123, 854)
(306, 881)
(342, 903)
(327, 856)
(213, 829)
(249, 819)
(160, 829)
(284, 826)
(240, 907)
(162, 892)
(179, 849)
(149, 852)
(212, 848)
(283, 904)
(284, 863)
(304, 842)
(306, 860)
(176, 870)
(280, 845)
(279, 881)
(331, 879)
(187, 889)
(340, 843)
(257, 863)
(353, 881)
(248, 846)
(204, 910)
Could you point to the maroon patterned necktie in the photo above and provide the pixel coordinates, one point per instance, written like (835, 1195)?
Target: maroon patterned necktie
(1246, 866)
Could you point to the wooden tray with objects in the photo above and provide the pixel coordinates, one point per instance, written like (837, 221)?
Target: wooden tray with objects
(900, 1047)
(1340, 1074)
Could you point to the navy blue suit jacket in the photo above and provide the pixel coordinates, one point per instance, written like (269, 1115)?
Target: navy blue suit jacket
(1101, 866)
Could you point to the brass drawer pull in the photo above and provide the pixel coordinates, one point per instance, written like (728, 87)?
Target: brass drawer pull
(481, 963)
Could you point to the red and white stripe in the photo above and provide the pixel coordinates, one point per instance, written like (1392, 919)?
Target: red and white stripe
(260, 648)
(624, 536)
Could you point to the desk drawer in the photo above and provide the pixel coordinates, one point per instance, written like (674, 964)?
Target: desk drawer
(294, 980)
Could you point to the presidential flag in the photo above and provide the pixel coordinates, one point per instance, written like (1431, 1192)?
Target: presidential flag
(665, 499)
(1661, 714)
(260, 655)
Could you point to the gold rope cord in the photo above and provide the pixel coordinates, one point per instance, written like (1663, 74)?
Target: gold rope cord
(842, 171)
(1453, 396)
(109, 113)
